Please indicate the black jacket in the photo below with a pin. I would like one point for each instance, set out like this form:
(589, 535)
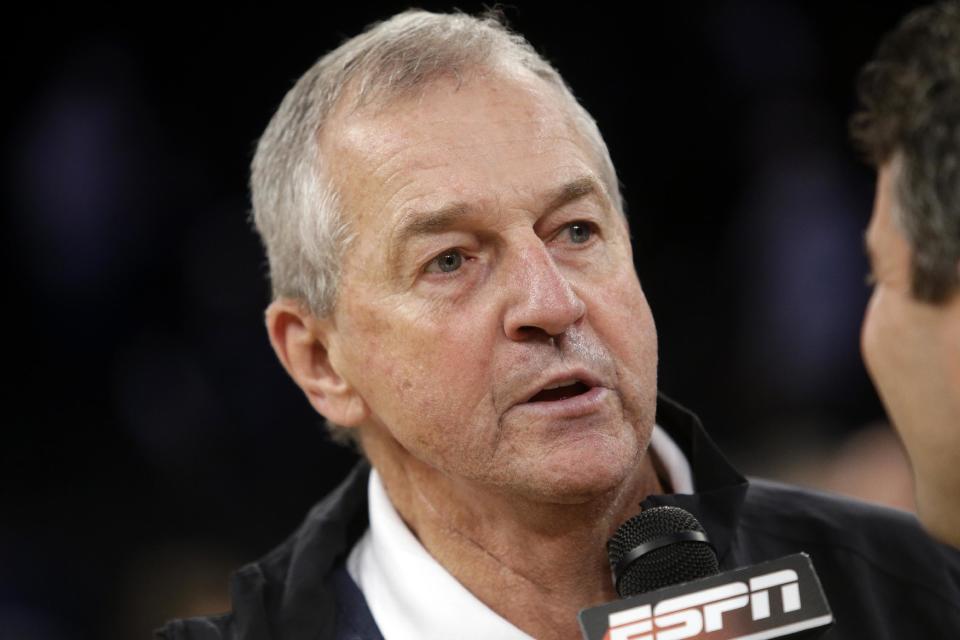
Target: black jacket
(883, 576)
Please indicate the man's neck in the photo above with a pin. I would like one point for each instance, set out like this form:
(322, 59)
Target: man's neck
(536, 563)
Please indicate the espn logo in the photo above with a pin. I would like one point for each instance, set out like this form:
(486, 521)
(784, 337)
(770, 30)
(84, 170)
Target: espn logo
(689, 615)
(773, 599)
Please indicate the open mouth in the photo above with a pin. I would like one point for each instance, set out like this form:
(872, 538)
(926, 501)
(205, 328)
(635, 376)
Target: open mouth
(561, 392)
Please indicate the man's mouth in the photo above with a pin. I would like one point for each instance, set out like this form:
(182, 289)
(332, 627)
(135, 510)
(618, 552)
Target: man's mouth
(560, 391)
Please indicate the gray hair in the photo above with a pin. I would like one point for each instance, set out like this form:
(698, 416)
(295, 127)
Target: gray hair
(296, 207)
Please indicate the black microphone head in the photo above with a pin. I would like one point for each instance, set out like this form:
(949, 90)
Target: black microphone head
(658, 548)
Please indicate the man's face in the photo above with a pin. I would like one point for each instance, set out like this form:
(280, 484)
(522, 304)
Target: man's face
(489, 264)
(909, 348)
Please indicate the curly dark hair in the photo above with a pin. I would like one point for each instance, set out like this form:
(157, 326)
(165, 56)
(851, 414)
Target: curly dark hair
(910, 96)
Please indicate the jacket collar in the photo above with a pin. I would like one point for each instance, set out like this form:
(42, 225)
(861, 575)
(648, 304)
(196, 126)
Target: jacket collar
(289, 593)
(719, 488)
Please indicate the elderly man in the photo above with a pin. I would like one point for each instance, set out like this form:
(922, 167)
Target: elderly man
(910, 127)
(455, 292)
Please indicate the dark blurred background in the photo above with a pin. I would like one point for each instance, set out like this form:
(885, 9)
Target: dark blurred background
(151, 441)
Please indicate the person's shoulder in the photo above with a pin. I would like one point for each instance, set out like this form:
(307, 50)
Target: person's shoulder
(199, 628)
(807, 516)
(813, 514)
(293, 584)
(856, 537)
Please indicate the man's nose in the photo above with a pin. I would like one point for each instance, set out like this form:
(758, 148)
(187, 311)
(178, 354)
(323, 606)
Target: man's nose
(542, 301)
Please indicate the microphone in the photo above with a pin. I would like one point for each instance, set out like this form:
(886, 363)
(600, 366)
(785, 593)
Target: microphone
(665, 568)
(658, 548)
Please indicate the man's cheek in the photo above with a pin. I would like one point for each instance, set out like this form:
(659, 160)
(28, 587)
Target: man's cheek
(431, 377)
(868, 333)
(626, 317)
(878, 337)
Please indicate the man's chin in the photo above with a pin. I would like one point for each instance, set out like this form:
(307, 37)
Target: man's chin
(576, 475)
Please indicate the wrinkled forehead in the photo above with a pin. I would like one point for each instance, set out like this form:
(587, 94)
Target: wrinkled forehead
(487, 136)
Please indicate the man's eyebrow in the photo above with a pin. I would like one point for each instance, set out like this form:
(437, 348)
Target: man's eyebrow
(579, 188)
(425, 223)
(428, 222)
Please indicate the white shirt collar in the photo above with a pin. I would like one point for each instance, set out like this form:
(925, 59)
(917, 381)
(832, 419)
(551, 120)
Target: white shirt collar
(675, 463)
(410, 594)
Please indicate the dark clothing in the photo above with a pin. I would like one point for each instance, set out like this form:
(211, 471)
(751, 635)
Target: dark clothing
(883, 576)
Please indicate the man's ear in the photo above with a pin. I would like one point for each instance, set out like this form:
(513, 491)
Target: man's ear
(301, 342)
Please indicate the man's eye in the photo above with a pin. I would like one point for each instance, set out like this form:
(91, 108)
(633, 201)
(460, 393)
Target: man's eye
(446, 262)
(580, 232)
